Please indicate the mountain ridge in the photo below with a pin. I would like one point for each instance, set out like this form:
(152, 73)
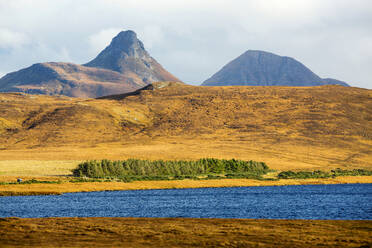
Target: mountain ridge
(61, 78)
(58, 78)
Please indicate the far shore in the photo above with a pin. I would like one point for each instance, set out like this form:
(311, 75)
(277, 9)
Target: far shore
(69, 187)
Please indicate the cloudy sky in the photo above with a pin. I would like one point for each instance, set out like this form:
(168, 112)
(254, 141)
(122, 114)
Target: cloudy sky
(193, 39)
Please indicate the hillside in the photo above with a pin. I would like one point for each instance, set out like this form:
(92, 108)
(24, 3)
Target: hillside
(124, 66)
(286, 127)
(259, 68)
(68, 79)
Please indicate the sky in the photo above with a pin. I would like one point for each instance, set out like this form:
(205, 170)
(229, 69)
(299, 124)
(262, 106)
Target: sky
(193, 39)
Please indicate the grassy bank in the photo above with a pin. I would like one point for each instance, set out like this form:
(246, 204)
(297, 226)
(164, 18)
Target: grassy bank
(69, 187)
(133, 174)
(179, 232)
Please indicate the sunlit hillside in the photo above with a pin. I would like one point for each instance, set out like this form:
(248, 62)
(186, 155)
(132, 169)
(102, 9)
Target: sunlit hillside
(286, 127)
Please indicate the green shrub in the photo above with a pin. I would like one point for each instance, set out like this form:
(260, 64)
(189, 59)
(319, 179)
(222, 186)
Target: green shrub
(355, 172)
(32, 181)
(135, 169)
(323, 174)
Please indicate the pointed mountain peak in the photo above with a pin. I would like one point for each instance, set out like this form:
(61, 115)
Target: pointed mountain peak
(123, 46)
(129, 34)
(126, 54)
(128, 43)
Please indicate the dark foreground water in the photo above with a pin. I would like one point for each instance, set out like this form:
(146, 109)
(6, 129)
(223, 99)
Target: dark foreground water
(347, 201)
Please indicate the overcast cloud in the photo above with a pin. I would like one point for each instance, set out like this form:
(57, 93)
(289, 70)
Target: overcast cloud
(193, 39)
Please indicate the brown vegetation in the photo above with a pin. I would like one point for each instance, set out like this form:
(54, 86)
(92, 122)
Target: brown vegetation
(161, 232)
(286, 127)
(69, 79)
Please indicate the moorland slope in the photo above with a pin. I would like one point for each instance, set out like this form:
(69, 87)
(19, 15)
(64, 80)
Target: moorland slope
(321, 127)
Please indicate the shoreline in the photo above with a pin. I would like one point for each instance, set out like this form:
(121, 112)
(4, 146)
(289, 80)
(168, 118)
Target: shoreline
(69, 187)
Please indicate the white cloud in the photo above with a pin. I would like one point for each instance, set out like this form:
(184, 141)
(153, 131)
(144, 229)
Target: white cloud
(151, 35)
(101, 39)
(12, 39)
(192, 38)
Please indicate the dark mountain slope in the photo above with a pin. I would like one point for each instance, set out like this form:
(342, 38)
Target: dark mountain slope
(67, 79)
(263, 68)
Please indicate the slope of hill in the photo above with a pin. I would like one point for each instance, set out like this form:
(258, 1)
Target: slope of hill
(286, 127)
(334, 81)
(67, 79)
(125, 66)
(263, 68)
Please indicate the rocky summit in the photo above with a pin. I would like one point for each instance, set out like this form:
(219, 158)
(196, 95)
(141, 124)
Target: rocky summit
(259, 68)
(127, 55)
(124, 66)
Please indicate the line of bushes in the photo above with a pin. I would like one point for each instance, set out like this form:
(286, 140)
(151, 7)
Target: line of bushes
(136, 169)
(323, 174)
(32, 181)
(355, 172)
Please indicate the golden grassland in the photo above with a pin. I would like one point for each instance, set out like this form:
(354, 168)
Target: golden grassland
(281, 157)
(69, 187)
(38, 168)
(180, 232)
(287, 127)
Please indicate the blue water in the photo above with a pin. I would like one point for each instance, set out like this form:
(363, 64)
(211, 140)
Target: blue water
(347, 201)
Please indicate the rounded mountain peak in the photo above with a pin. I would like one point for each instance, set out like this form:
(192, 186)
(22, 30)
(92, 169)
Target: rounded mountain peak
(253, 52)
(260, 68)
(259, 53)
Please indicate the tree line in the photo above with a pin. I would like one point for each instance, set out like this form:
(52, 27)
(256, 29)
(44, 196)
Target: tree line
(159, 169)
(323, 174)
